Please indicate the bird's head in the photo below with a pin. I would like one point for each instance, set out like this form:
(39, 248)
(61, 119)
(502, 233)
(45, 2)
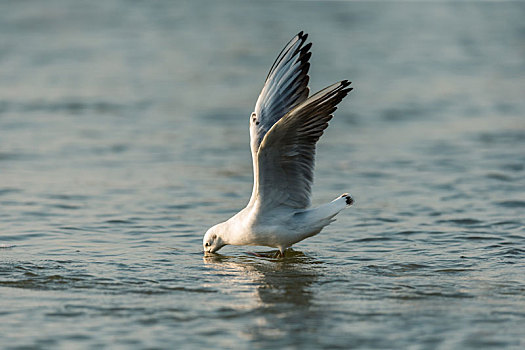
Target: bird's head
(214, 238)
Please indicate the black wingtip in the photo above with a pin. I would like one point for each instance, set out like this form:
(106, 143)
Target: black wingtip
(344, 86)
(307, 47)
(302, 36)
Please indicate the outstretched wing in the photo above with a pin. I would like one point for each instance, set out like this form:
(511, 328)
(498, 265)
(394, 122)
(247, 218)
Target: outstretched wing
(286, 85)
(286, 156)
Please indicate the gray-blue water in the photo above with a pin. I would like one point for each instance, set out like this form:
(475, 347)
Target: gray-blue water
(124, 136)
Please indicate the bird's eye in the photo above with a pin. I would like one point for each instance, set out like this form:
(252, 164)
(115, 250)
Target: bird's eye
(207, 244)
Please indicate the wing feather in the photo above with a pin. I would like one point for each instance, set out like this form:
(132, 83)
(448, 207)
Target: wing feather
(285, 160)
(286, 85)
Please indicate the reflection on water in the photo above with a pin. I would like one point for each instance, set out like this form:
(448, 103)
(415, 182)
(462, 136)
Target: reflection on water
(282, 281)
(283, 291)
(124, 136)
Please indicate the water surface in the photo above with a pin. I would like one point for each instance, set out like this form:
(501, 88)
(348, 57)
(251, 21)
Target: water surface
(124, 136)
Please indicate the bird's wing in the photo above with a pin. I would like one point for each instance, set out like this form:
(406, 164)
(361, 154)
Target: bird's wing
(285, 161)
(286, 85)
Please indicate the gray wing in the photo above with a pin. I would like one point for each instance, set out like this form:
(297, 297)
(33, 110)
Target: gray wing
(286, 85)
(286, 157)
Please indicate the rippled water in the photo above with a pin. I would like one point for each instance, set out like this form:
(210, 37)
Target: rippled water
(123, 137)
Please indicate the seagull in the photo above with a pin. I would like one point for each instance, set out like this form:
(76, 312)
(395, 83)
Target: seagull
(284, 129)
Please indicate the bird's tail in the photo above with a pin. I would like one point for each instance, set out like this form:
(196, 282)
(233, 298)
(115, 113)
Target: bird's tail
(324, 214)
(329, 210)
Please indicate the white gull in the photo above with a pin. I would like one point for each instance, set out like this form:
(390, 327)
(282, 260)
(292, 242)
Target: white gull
(284, 129)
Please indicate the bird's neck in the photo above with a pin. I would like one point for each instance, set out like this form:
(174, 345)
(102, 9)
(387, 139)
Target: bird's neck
(234, 231)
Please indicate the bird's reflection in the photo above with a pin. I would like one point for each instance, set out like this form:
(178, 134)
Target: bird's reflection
(280, 281)
(283, 292)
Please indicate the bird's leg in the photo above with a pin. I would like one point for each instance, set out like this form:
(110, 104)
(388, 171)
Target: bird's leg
(278, 254)
(256, 254)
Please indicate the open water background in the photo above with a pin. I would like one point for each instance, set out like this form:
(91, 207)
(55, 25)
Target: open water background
(124, 136)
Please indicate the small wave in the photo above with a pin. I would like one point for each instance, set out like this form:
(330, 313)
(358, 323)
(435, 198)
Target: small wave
(387, 219)
(462, 222)
(511, 204)
(16, 156)
(6, 191)
(71, 106)
(514, 252)
(513, 167)
(68, 197)
(408, 232)
(508, 223)
(511, 137)
(373, 239)
(40, 213)
(460, 295)
(481, 236)
(66, 206)
(499, 177)
(118, 221)
(453, 270)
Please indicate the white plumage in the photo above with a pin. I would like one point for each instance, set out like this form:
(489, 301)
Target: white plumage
(284, 129)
